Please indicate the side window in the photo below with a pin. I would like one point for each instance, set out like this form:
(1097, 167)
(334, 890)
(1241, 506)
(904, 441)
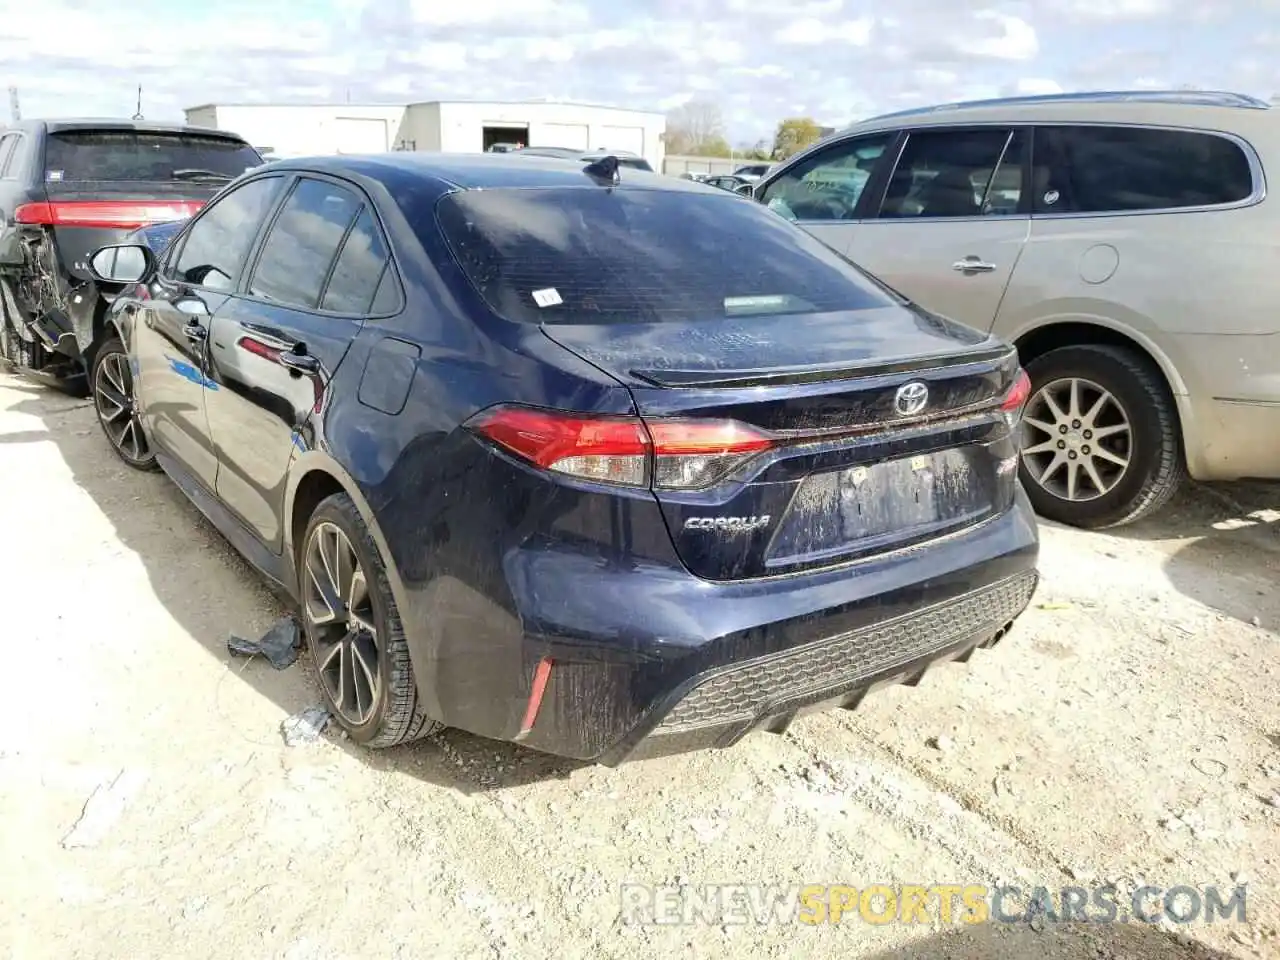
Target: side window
(828, 186)
(218, 242)
(8, 149)
(303, 242)
(1114, 169)
(358, 270)
(947, 173)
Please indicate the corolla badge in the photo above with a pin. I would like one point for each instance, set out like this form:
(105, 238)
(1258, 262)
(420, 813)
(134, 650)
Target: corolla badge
(911, 398)
(728, 524)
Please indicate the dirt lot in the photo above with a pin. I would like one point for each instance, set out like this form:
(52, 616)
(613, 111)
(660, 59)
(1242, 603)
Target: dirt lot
(1129, 731)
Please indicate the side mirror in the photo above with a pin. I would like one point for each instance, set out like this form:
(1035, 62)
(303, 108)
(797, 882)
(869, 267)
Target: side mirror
(122, 263)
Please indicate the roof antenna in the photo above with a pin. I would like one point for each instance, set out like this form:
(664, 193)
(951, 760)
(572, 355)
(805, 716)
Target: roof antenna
(138, 114)
(604, 171)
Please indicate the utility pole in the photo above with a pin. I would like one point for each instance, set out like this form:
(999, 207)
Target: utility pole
(138, 113)
(15, 111)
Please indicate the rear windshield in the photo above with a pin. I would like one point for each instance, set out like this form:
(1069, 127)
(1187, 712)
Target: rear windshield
(134, 155)
(592, 255)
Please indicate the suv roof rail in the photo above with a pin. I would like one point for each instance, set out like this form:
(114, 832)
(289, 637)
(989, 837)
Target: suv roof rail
(1210, 98)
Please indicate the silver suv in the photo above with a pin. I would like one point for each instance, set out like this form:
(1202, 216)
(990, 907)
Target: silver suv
(1123, 241)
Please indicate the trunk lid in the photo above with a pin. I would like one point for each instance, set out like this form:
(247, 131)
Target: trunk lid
(848, 474)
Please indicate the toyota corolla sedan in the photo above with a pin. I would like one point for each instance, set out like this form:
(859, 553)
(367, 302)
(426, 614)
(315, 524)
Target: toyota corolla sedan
(604, 462)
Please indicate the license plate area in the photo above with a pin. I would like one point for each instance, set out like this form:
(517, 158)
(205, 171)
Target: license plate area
(888, 504)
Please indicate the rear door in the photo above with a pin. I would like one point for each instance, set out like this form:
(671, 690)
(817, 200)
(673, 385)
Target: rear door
(276, 345)
(170, 332)
(952, 223)
(827, 192)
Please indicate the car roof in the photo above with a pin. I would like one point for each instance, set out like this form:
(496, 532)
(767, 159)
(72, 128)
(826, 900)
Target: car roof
(475, 171)
(69, 124)
(1099, 106)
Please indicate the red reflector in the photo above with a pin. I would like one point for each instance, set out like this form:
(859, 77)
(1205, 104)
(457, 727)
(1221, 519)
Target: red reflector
(107, 214)
(258, 348)
(1018, 394)
(541, 674)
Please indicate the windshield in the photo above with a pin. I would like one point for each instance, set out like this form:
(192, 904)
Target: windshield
(144, 156)
(592, 255)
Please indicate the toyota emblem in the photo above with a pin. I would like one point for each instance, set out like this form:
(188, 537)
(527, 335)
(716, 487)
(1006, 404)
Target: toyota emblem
(911, 398)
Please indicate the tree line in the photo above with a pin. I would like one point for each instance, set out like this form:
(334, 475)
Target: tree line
(697, 129)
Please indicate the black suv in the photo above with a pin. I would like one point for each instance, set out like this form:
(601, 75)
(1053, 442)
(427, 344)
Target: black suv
(68, 187)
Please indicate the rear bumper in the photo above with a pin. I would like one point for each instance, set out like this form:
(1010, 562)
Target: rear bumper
(702, 664)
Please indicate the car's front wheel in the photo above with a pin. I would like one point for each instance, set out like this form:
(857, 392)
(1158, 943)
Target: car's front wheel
(353, 630)
(1100, 442)
(113, 398)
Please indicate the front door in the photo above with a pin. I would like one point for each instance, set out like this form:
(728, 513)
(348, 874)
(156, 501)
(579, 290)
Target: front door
(952, 224)
(172, 325)
(274, 348)
(826, 193)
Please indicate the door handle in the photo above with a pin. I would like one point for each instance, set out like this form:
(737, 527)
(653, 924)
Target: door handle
(194, 331)
(303, 362)
(972, 264)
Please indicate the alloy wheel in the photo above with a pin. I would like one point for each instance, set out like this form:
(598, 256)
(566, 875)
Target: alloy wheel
(339, 611)
(113, 397)
(1077, 439)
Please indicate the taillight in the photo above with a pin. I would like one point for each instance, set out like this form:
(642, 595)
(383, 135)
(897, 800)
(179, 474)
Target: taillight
(1016, 398)
(109, 214)
(672, 454)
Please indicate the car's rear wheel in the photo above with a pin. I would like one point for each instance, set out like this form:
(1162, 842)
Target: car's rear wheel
(353, 630)
(113, 398)
(1100, 443)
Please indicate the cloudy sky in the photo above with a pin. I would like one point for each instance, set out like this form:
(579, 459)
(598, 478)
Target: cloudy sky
(836, 60)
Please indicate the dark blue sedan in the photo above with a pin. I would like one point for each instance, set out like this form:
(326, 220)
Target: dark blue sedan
(608, 463)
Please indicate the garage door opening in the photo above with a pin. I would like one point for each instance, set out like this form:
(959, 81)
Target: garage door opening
(498, 139)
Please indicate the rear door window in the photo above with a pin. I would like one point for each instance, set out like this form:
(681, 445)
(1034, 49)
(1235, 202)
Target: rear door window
(828, 185)
(8, 151)
(591, 255)
(947, 173)
(1100, 169)
(214, 249)
(359, 269)
(130, 155)
(303, 242)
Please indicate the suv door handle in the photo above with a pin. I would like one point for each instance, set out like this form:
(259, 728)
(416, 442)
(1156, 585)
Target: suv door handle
(299, 361)
(972, 264)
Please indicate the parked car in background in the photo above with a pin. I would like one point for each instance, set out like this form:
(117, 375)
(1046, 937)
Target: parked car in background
(625, 158)
(1123, 241)
(542, 456)
(752, 171)
(70, 186)
(727, 182)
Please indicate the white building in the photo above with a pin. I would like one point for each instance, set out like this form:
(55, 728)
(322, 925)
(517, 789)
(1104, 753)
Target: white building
(453, 126)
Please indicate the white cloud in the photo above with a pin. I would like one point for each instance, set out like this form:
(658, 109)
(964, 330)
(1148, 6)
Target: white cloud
(759, 60)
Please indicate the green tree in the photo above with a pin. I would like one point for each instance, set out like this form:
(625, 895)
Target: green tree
(794, 134)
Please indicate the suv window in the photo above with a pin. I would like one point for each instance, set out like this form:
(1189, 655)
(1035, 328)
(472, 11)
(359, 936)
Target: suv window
(218, 242)
(948, 173)
(302, 243)
(573, 255)
(143, 155)
(358, 271)
(8, 148)
(828, 185)
(1100, 169)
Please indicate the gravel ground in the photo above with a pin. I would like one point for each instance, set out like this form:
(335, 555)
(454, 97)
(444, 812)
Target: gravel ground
(1127, 731)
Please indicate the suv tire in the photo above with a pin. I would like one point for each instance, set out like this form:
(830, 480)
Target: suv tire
(1137, 394)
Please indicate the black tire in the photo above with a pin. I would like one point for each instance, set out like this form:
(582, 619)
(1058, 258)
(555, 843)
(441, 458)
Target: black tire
(397, 715)
(1156, 465)
(111, 369)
